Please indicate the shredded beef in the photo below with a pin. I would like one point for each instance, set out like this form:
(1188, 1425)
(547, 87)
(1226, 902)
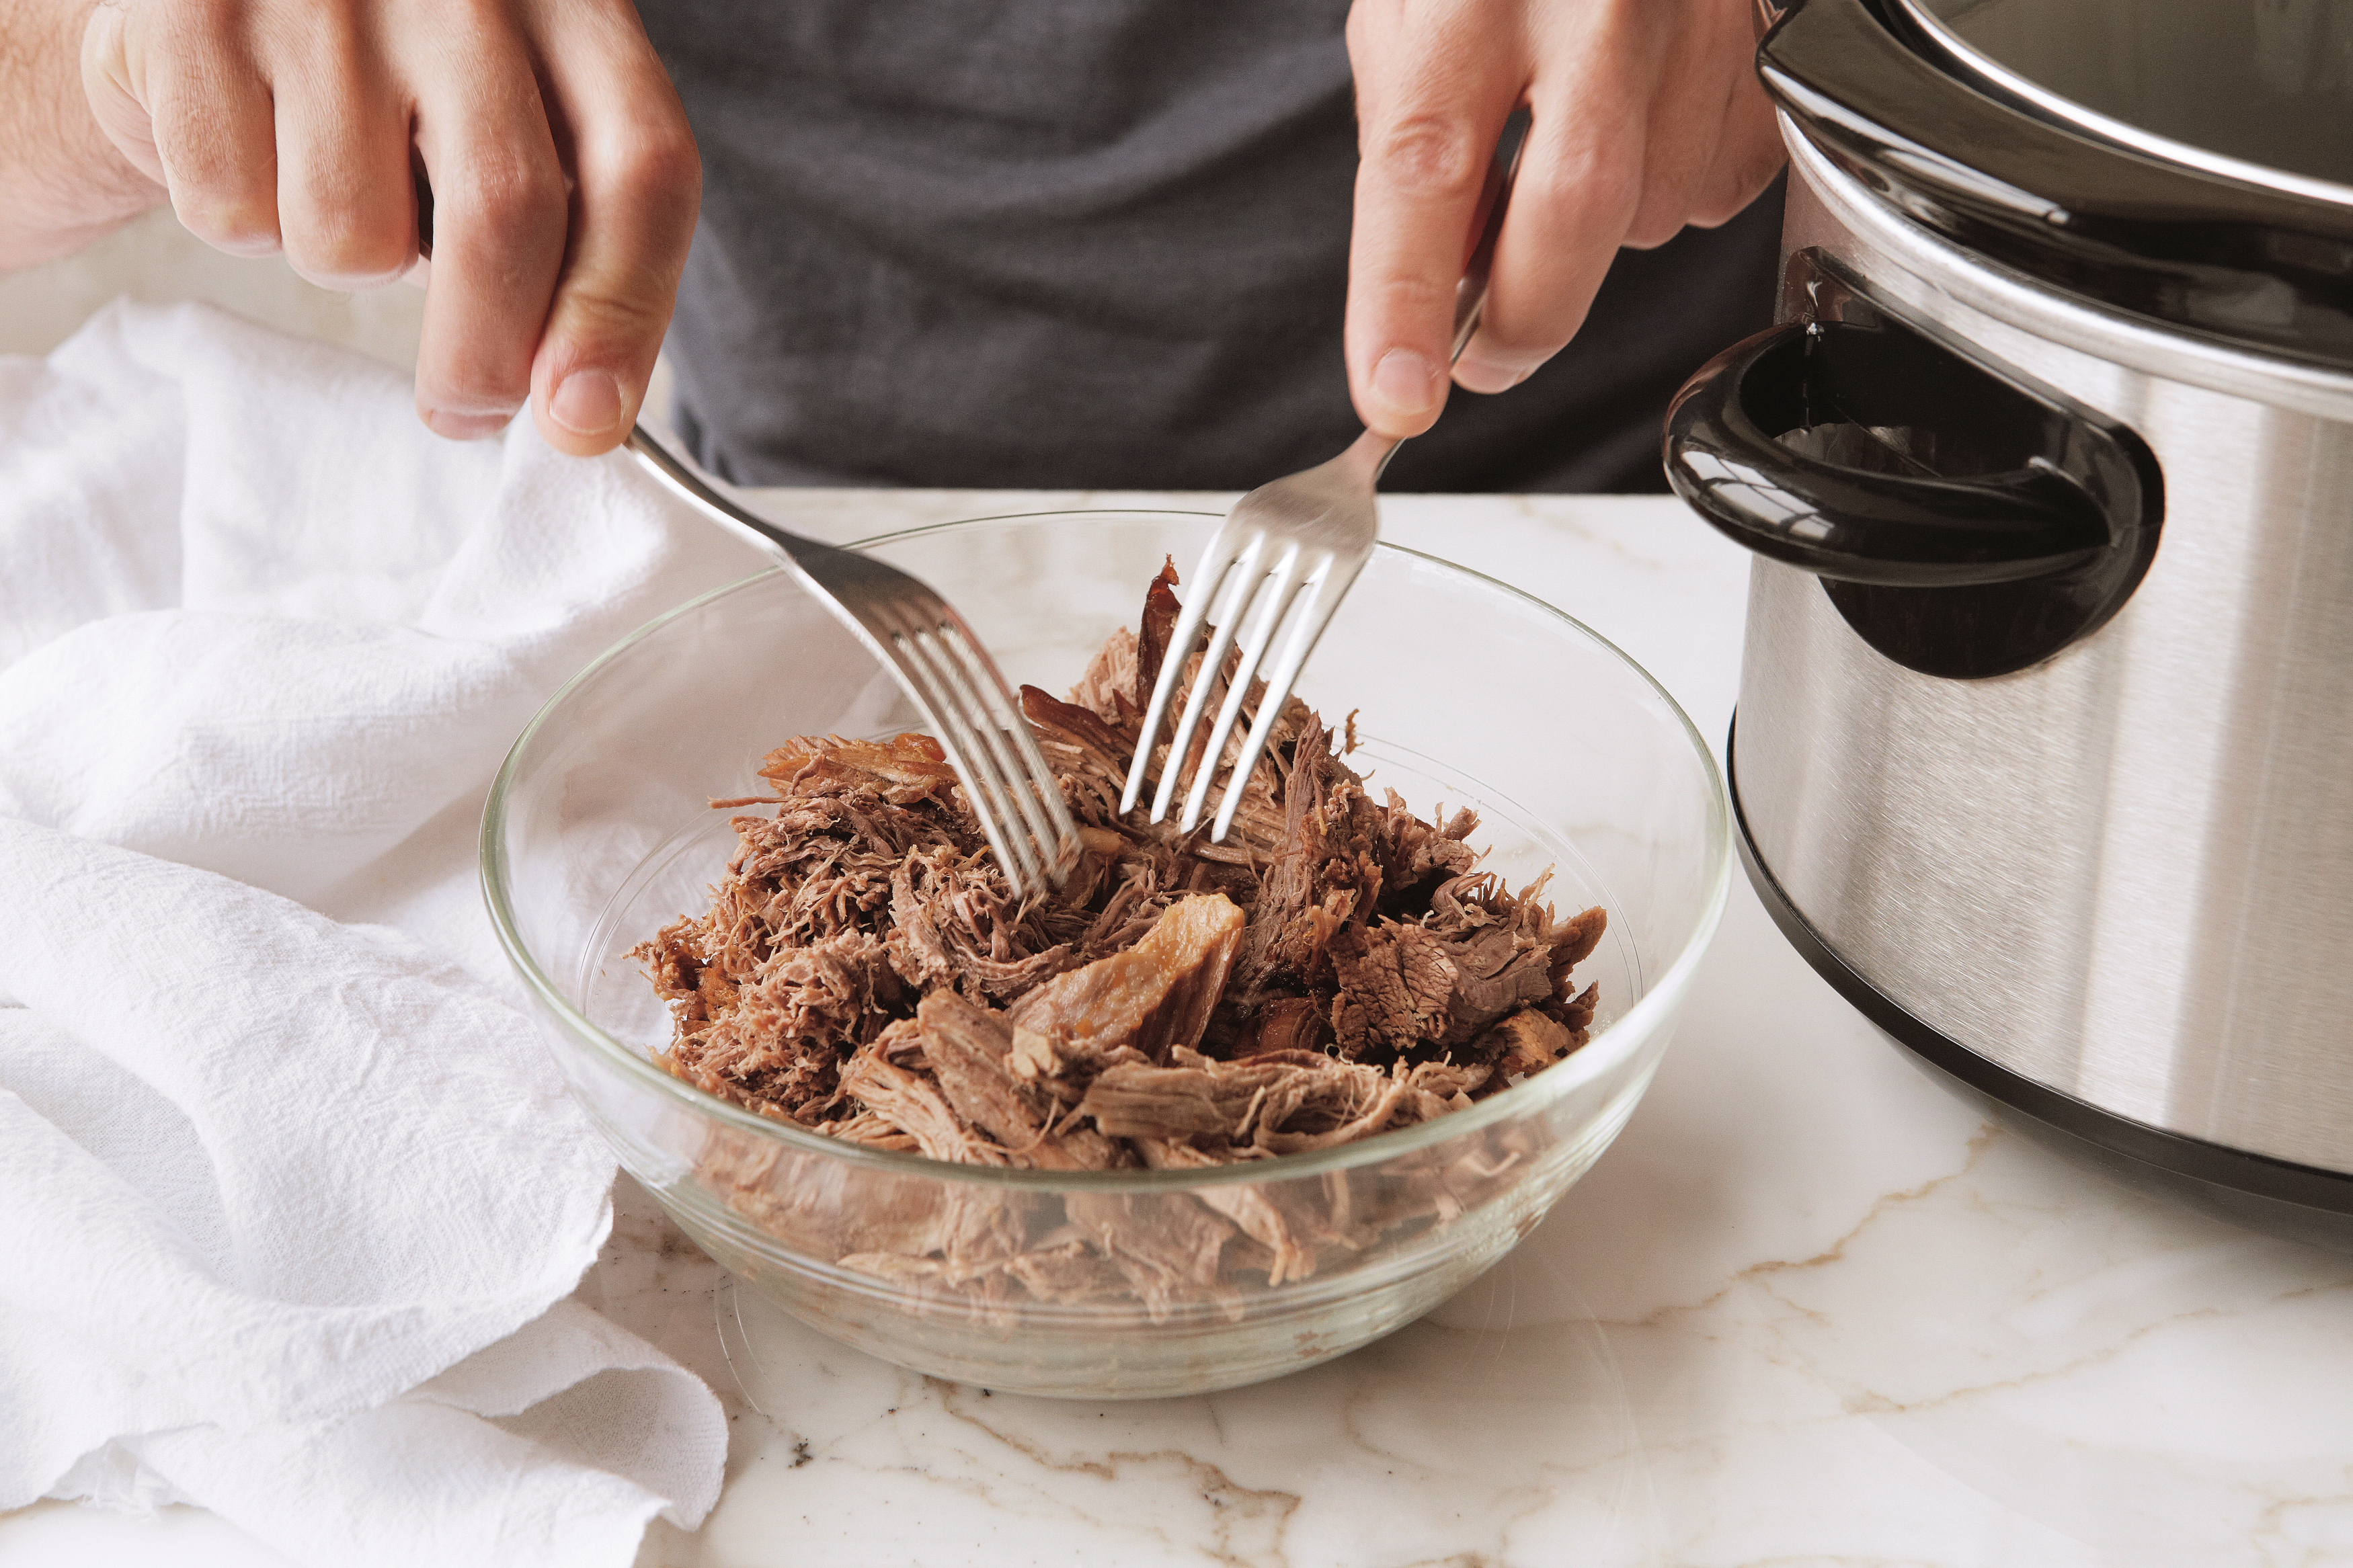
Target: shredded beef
(1337, 968)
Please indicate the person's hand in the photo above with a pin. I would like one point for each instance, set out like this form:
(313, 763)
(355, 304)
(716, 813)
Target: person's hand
(563, 178)
(1646, 116)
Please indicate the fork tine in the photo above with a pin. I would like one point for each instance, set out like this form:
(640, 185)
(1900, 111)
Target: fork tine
(1274, 597)
(1025, 854)
(1324, 592)
(904, 635)
(1208, 574)
(1226, 611)
(1018, 760)
(996, 798)
(1227, 604)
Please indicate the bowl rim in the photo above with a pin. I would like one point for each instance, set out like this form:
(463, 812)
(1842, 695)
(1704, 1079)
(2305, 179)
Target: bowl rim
(1605, 1052)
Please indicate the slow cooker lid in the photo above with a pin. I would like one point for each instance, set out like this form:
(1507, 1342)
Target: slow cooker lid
(2258, 91)
(2168, 160)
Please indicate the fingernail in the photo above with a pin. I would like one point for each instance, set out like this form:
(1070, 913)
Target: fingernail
(1406, 382)
(1476, 373)
(466, 426)
(587, 402)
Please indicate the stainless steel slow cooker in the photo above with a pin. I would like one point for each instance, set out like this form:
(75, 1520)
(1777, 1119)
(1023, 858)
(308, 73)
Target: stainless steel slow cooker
(2044, 746)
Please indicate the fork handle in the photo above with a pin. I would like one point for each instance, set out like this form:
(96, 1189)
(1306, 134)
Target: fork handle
(1471, 294)
(684, 481)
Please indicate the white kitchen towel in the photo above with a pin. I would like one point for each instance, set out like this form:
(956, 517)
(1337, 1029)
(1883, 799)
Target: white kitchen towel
(291, 1203)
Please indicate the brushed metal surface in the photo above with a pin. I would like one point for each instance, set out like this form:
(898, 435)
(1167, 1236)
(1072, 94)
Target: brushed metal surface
(2125, 872)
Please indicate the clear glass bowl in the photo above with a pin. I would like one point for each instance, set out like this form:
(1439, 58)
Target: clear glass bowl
(1467, 691)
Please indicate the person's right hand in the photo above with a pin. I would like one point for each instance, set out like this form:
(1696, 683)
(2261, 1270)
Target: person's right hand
(1645, 115)
(563, 178)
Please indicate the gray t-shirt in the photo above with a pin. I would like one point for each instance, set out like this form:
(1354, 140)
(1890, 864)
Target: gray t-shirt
(1075, 244)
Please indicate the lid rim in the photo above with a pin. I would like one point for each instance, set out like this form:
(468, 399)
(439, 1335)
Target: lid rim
(1981, 70)
(1933, 267)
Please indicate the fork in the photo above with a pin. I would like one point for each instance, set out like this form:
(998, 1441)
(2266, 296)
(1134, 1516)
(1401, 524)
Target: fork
(1308, 534)
(940, 665)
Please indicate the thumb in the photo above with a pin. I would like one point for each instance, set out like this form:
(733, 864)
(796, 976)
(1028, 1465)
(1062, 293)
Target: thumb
(108, 81)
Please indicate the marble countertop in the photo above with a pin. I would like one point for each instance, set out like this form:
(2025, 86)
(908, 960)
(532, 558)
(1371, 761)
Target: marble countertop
(1809, 1308)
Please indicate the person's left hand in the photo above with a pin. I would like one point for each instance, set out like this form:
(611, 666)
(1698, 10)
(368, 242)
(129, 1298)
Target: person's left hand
(1646, 116)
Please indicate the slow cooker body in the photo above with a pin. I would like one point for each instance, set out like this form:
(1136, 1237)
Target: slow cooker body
(2044, 747)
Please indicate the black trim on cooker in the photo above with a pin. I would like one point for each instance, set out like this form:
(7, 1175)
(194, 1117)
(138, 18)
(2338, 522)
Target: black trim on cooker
(1965, 520)
(1866, 511)
(2235, 262)
(2303, 1201)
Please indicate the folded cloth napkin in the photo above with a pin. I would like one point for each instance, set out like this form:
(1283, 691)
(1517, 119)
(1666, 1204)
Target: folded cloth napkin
(294, 1203)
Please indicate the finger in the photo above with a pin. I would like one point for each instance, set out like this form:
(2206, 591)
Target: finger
(1452, 78)
(1693, 113)
(346, 206)
(1685, 121)
(184, 103)
(1371, 31)
(106, 82)
(1579, 185)
(639, 183)
(1748, 154)
(499, 226)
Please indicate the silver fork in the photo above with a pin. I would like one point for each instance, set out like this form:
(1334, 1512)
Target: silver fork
(1309, 533)
(941, 667)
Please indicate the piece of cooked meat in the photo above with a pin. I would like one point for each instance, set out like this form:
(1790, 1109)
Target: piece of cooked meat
(1148, 998)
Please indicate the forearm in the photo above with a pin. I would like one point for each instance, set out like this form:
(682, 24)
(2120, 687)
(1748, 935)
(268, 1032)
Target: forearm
(62, 183)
